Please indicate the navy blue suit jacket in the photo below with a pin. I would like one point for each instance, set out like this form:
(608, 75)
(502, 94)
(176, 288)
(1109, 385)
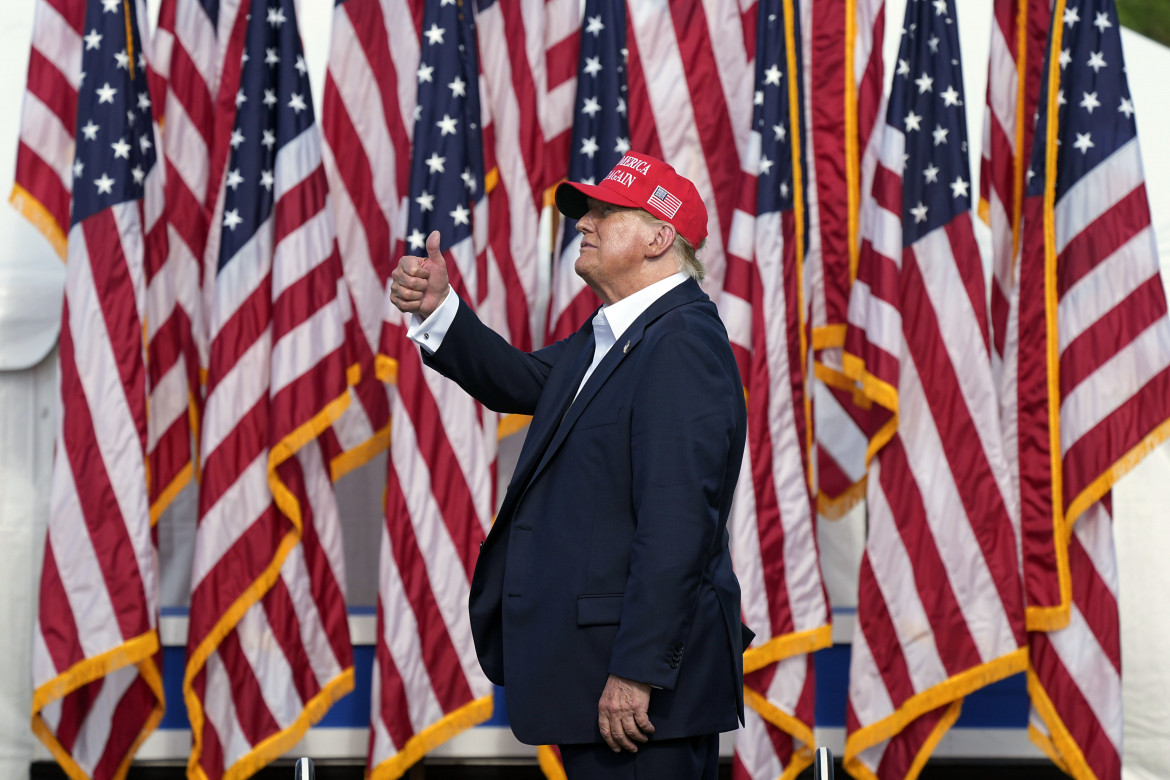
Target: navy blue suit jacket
(610, 551)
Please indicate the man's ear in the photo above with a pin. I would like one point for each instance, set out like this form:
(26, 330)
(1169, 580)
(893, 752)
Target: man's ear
(662, 241)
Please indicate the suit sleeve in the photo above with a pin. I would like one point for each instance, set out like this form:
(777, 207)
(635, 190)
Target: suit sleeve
(682, 430)
(501, 377)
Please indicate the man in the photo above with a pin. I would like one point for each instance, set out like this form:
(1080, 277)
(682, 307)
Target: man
(603, 599)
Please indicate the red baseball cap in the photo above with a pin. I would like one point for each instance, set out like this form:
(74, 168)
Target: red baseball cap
(642, 182)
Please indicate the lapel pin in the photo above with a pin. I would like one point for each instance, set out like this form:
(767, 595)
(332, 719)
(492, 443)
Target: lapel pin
(626, 348)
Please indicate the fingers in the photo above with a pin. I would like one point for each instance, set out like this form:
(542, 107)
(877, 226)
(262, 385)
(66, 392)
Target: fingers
(408, 284)
(622, 714)
(433, 253)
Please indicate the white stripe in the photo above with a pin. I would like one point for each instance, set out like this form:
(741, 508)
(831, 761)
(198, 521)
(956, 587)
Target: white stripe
(867, 693)
(186, 150)
(1003, 78)
(881, 321)
(219, 707)
(99, 720)
(244, 385)
(296, 161)
(197, 36)
(308, 246)
(230, 517)
(1091, 672)
(404, 51)
(41, 130)
(744, 542)
(244, 272)
(272, 670)
(1097, 192)
(1107, 285)
(60, 44)
(736, 72)
(837, 434)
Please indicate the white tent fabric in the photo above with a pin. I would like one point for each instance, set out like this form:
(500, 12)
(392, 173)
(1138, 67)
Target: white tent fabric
(31, 279)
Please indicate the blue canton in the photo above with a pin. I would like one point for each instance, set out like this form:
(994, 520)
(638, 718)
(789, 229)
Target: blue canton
(927, 105)
(601, 128)
(1095, 114)
(115, 135)
(446, 174)
(771, 117)
(273, 106)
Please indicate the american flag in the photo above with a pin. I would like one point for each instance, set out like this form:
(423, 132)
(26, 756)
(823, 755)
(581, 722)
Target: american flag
(940, 610)
(690, 77)
(268, 646)
(601, 135)
(96, 677)
(1092, 358)
(427, 683)
(772, 526)
(842, 70)
(1019, 36)
(528, 58)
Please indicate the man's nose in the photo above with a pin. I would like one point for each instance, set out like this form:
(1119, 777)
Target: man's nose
(586, 223)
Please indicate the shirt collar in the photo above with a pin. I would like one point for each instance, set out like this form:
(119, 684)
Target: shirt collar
(622, 314)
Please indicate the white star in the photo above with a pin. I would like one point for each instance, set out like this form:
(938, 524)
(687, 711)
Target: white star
(594, 25)
(622, 146)
(765, 165)
(781, 132)
(919, 212)
(138, 174)
(924, 83)
(940, 7)
(447, 125)
(1126, 107)
(237, 138)
(758, 98)
(417, 113)
(1071, 16)
(1084, 142)
(425, 201)
(951, 97)
(271, 57)
(903, 68)
(435, 162)
(589, 146)
(1060, 101)
(933, 42)
(468, 179)
(110, 6)
(93, 40)
(269, 98)
(1102, 22)
(104, 185)
(1065, 58)
(234, 179)
(424, 73)
(435, 34)
(144, 143)
(78, 167)
(1096, 61)
(231, 219)
(1089, 102)
(244, 56)
(130, 117)
(301, 67)
(591, 107)
(297, 103)
(417, 240)
(143, 101)
(90, 131)
(913, 121)
(931, 173)
(268, 139)
(940, 134)
(959, 188)
(461, 215)
(266, 180)
(1031, 174)
(772, 76)
(783, 189)
(106, 93)
(621, 106)
(121, 149)
(123, 60)
(458, 87)
(276, 17)
(241, 98)
(592, 65)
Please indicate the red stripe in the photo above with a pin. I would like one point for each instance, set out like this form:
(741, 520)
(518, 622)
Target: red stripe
(1109, 335)
(328, 595)
(438, 652)
(305, 200)
(561, 61)
(887, 190)
(516, 309)
(247, 324)
(1000, 169)
(905, 746)
(50, 86)
(186, 214)
(831, 478)
(189, 89)
(1095, 600)
(948, 625)
(75, 709)
(286, 624)
(303, 398)
(225, 104)
(969, 264)
(1102, 237)
(869, 90)
(255, 720)
(246, 441)
(391, 693)
(643, 131)
(1000, 311)
(574, 315)
(57, 626)
(43, 183)
(300, 301)
(877, 627)
(130, 715)
(530, 142)
(71, 11)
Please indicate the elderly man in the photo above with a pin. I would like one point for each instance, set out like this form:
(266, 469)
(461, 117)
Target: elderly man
(604, 599)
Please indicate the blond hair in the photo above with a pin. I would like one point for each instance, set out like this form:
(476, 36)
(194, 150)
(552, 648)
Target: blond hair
(686, 255)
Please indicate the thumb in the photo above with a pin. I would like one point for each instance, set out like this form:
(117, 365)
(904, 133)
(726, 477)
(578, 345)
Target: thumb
(433, 253)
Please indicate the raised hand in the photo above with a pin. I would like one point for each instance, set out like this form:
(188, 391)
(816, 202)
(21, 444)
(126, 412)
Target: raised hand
(419, 284)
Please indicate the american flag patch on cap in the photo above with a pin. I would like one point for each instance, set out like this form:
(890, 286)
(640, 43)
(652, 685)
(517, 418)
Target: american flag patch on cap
(664, 201)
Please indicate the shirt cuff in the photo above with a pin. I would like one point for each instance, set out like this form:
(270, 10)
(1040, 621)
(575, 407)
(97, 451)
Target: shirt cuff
(429, 333)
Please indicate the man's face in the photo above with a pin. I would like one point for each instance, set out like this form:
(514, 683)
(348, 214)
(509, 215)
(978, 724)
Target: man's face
(613, 244)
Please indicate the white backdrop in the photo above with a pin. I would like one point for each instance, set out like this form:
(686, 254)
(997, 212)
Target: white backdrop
(31, 278)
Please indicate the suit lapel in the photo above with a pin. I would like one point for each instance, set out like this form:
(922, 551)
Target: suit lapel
(686, 292)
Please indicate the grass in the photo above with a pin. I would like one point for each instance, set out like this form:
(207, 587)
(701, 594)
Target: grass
(1151, 18)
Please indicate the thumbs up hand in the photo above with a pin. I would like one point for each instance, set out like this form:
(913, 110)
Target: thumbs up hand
(419, 284)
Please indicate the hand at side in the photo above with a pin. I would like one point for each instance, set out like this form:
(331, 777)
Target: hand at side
(622, 714)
